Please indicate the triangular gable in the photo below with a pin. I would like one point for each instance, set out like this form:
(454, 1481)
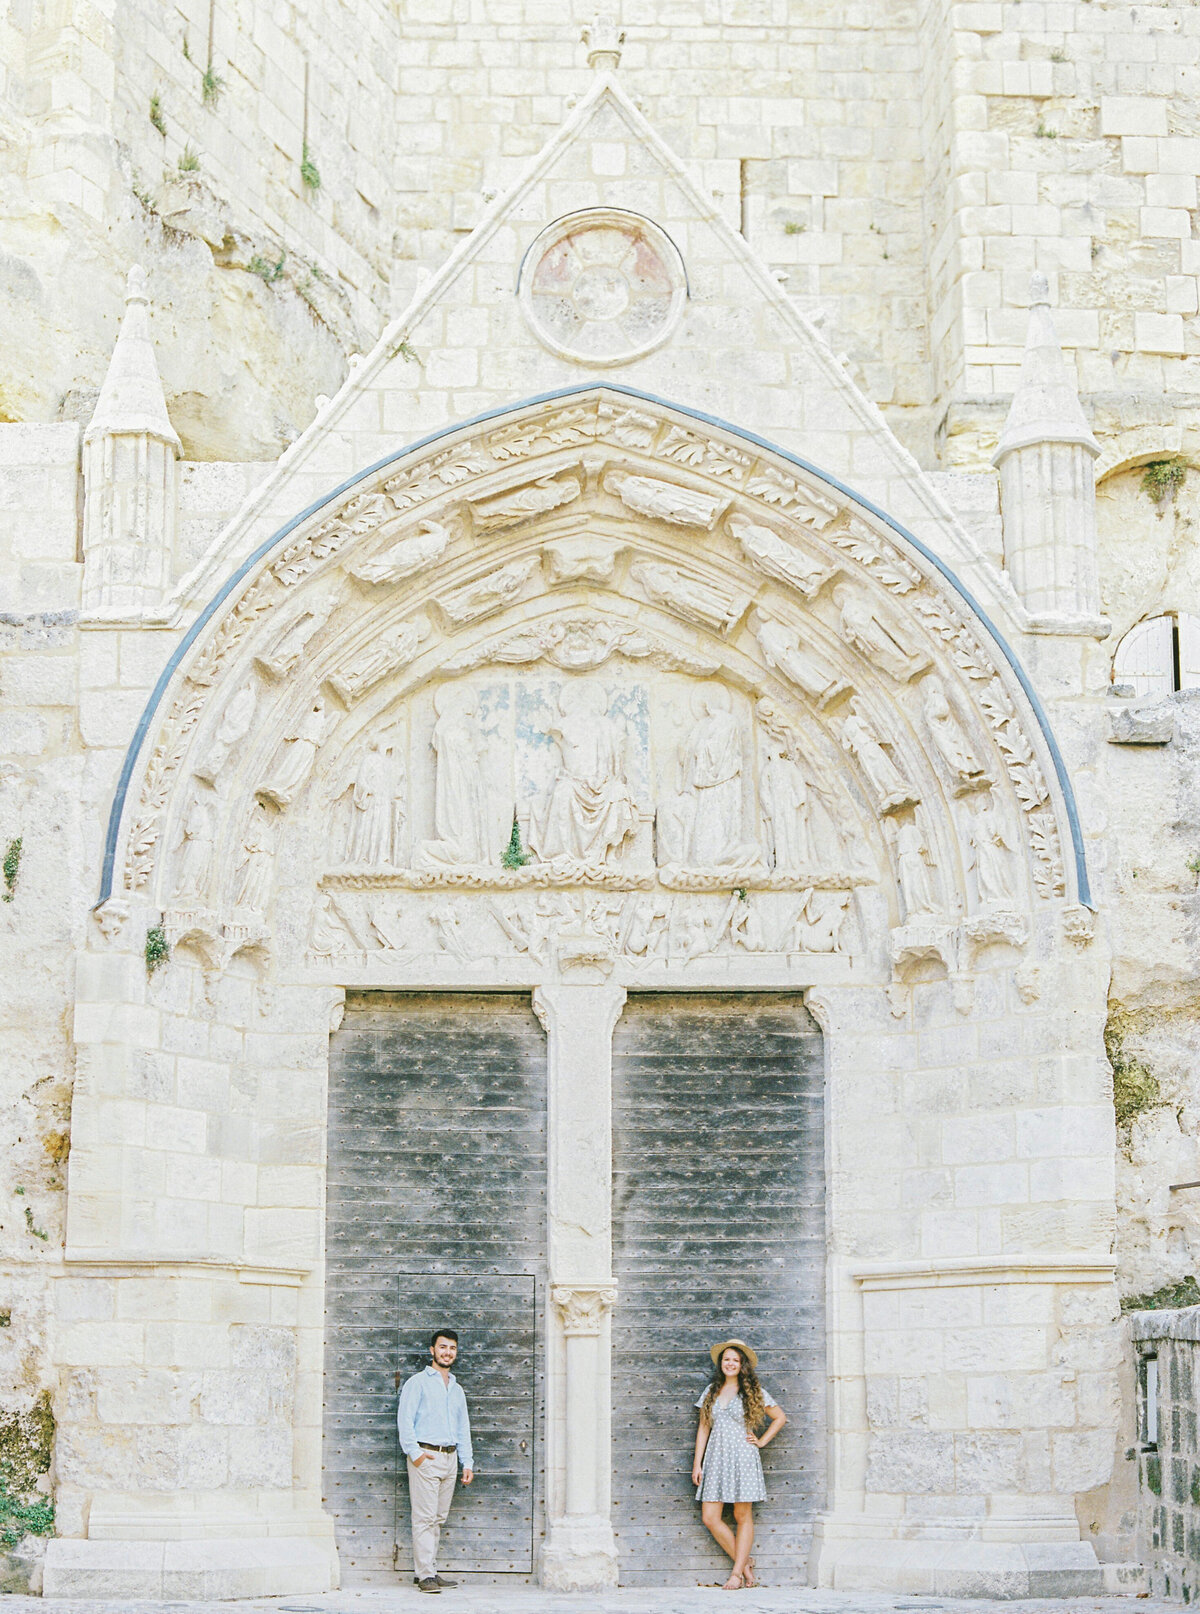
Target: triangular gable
(742, 352)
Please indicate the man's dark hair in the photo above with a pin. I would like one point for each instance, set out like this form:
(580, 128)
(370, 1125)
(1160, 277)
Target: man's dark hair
(442, 1333)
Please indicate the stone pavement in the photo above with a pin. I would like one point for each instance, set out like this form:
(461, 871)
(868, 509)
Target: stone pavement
(487, 1599)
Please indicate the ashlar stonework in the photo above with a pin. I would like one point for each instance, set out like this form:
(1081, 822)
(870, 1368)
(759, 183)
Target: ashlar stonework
(599, 636)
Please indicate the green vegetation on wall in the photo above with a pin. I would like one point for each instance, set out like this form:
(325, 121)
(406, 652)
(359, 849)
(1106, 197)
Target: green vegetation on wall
(26, 1447)
(1162, 479)
(11, 867)
(1135, 1086)
(1169, 1298)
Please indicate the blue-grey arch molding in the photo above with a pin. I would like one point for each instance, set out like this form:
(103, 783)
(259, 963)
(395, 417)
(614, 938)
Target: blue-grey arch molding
(1082, 886)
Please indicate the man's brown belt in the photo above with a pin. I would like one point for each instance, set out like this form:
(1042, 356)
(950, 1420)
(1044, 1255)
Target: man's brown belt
(425, 1446)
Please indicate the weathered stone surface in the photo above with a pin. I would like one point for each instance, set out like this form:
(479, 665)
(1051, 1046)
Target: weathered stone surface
(1142, 725)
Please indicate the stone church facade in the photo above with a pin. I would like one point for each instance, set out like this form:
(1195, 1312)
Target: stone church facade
(628, 826)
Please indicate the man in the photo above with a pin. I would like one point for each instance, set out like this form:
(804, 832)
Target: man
(435, 1433)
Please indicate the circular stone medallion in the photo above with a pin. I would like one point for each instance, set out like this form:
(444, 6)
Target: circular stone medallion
(602, 286)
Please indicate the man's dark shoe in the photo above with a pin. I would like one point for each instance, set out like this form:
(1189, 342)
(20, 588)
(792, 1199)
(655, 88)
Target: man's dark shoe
(429, 1584)
(442, 1581)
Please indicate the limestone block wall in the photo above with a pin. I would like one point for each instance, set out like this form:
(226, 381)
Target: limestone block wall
(806, 130)
(1066, 135)
(904, 167)
(42, 774)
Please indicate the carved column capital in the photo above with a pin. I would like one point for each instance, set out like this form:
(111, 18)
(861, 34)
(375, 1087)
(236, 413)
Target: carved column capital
(583, 1306)
(593, 1009)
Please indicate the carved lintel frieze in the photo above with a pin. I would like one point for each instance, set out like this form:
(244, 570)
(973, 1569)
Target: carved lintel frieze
(583, 1307)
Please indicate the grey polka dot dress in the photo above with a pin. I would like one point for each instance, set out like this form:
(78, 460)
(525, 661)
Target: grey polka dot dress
(732, 1470)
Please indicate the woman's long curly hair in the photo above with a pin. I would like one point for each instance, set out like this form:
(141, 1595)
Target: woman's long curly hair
(754, 1407)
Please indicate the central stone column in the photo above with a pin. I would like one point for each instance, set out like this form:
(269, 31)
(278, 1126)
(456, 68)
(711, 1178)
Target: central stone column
(580, 1553)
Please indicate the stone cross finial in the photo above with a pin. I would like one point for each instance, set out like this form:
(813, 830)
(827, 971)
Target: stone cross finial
(604, 40)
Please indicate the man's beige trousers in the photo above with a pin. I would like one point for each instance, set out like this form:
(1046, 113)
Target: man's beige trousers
(430, 1490)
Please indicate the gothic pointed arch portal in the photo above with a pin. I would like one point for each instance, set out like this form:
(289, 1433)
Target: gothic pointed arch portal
(592, 696)
(596, 667)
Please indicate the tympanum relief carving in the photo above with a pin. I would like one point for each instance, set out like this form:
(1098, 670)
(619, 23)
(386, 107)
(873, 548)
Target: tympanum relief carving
(718, 556)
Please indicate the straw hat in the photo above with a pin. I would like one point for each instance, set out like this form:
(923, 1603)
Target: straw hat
(739, 1345)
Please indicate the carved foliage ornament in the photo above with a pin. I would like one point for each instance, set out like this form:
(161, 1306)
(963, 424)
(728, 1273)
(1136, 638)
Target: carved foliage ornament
(769, 496)
(583, 1307)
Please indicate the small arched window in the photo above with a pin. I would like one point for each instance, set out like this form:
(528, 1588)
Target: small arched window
(1160, 655)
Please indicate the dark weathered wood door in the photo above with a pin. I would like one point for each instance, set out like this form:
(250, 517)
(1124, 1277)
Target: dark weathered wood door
(491, 1523)
(436, 1170)
(719, 1231)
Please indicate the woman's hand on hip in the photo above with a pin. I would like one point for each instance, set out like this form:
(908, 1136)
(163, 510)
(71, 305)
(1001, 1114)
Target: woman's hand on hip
(755, 1440)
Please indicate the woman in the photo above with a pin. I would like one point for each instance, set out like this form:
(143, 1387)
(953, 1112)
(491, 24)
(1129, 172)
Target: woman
(727, 1467)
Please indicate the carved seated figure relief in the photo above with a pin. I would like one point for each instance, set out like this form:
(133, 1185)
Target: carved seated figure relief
(590, 811)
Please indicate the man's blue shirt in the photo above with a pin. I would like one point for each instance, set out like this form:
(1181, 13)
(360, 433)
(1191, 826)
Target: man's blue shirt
(435, 1412)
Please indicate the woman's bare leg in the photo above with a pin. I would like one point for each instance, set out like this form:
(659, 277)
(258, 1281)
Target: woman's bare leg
(713, 1515)
(743, 1517)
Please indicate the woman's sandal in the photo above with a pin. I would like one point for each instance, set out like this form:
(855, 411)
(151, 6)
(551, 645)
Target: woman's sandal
(734, 1583)
(750, 1577)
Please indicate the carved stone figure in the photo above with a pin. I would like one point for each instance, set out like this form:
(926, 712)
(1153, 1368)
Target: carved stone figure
(783, 792)
(461, 807)
(395, 648)
(781, 650)
(234, 726)
(817, 927)
(914, 866)
(888, 785)
(711, 764)
(645, 923)
(506, 509)
(879, 643)
(329, 933)
(258, 844)
(295, 763)
(694, 601)
(376, 807)
(741, 924)
(404, 559)
(663, 501)
(497, 589)
(947, 734)
(531, 933)
(591, 809)
(446, 920)
(197, 833)
(690, 938)
(775, 556)
(289, 645)
(993, 847)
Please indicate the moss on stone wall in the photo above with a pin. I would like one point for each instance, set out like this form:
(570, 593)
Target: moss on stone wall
(1135, 1086)
(26, 1448)
(1170, 1297)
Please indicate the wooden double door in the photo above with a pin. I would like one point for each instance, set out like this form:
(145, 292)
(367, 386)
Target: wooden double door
(436, 1216)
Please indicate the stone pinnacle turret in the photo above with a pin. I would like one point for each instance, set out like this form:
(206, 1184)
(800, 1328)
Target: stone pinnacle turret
(1048, 497)
(129, 454)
